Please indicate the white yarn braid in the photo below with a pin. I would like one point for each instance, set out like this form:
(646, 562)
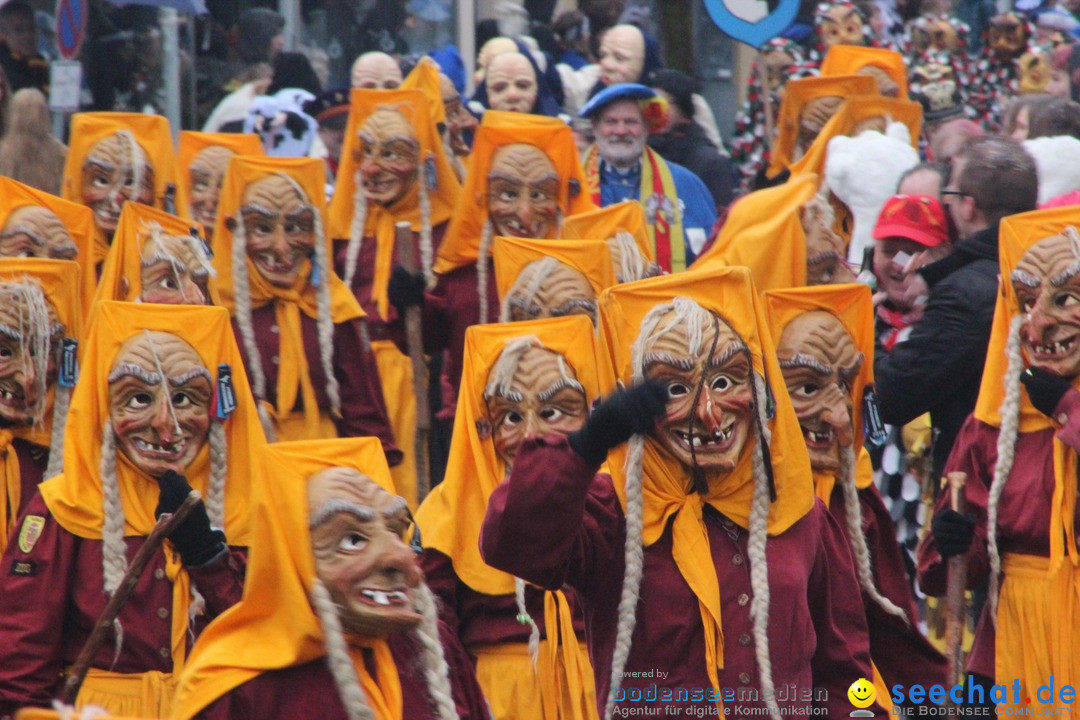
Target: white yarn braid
(756, 542)
(61, 402)
(856, 539)
(337, 656)
(219, 471)
(631, 264)
(433, 658)
(356, 231)
(486, 235)
(1006, 455)
(523, 613)
(113, 549)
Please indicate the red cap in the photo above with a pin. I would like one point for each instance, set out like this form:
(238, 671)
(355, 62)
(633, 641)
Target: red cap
(920, 218)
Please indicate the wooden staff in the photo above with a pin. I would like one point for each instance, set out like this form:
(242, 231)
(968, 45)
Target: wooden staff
(955, 607)
(414, 341)
(164, 527)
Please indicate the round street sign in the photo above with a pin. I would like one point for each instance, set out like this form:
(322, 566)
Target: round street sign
(71, 17)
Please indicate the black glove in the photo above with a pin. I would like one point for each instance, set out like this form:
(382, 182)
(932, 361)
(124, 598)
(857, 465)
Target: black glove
(1045, 389)
(193, 538)
(952, 532)
(405, 289)
(626, 412)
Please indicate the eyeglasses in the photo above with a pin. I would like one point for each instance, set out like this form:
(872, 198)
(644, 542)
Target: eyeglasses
(957, 193)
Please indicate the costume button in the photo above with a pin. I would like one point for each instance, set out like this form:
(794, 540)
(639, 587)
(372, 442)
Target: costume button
(737, 558)
(274, 329)
(1062, 418)
(163, 613)
(164, 652)
(743, 599)
(276, 360)
(744, 678)
(744, 639)
(159, 574)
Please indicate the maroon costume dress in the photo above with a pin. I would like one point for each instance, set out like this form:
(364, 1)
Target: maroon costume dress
(556, 521)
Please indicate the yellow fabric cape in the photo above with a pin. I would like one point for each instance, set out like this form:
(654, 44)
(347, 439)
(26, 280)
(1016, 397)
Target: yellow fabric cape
(274, 625)
(425, 78)
(730, 293)
(461, 244)
(650, 159)
(850, 114)
(192, 143)
(59, 282)
(764, 233)
(853, 306)
(1018, 233)
(77, 218)
(603, 223)
(589, 257)
(74, 498)
(797, 93)
(443, 189)
(293, 378)
(849, 59)
(121, 275)
(451, 516)
(152, 134)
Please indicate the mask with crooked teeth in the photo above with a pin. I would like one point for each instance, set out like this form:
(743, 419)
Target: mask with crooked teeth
(159, 402)
(710, 397)
(388, 156)
(523, 192)
(279, 223)
(207, 172)
(361, 557)
(1047, 285)
(820, 362)
(108, 180)
(25, 377)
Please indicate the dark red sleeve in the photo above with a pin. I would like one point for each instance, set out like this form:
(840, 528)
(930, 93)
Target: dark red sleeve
(443, 581)
(363, 408)
(900, 651)
(221, 581)
(1067, 414)
(974, 453)
(34, 591)
(553, 521)
(834, 599)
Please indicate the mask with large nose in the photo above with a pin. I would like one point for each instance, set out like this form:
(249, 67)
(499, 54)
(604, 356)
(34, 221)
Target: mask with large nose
(532, 391)
(1047, 286)
(279, 222)
(820, 362)
(388, 156)
(523, 190)
(173, 271)
(361, 555)
(30, 338)
(207, 173)
(116, 170)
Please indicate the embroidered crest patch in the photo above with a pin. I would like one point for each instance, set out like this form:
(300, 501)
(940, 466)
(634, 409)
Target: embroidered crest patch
(30, 532)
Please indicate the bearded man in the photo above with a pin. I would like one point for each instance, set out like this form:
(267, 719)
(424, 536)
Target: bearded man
(620, 166)
(144, 429)
(712, 482)
(521, 379)
(345, 625)
(824, 346)
(156, 257)
(40, 321)
(1018, 452)
(300, 326)
(203, 158)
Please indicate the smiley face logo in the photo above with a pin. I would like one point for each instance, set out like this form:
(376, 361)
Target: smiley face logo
(862, 693)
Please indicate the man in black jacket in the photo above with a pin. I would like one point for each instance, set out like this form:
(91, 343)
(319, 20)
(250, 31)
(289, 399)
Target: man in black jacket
(684, 142)
(938, 368)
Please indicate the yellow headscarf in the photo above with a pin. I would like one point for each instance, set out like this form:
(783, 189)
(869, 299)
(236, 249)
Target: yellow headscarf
(729, 293)
(451, 516)
(192, 143)
(853, 306)
(849, 59)
(764, 233)
(442, 188)
(851, 113)
(152, 134)
(425, 78)
(589, 257)
(603, 223)
(797, 93)
(1019, 233)
(274, 626)
(461, 245)
(121, 276)
(59, 282)
(75, 498)
(78, 219)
